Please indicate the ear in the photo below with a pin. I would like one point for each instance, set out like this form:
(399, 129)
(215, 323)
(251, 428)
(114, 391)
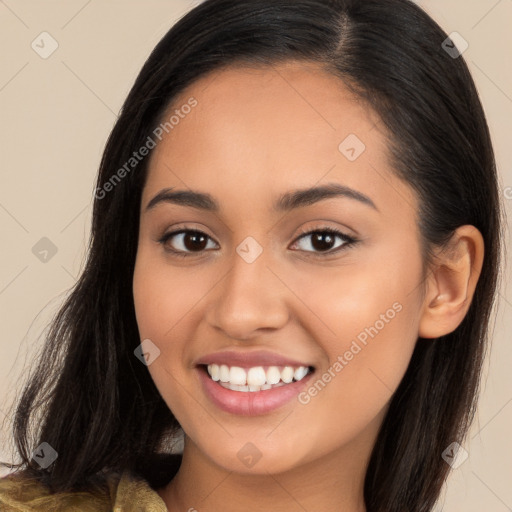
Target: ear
(451, 283)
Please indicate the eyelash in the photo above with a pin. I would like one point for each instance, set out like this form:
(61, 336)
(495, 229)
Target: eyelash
(349, 241)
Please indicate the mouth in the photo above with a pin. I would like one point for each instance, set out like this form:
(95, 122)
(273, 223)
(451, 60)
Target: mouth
(256, 378)
(252, 383)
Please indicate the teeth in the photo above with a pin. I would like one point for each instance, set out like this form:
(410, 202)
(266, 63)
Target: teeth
(213, 370)
(287, 374)
(299, 373)
(238, 376)
(224, 373)
(235, 387)
(256, 378)
(273, 375)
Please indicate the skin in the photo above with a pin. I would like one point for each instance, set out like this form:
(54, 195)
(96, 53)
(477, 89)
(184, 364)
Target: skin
(255, 134)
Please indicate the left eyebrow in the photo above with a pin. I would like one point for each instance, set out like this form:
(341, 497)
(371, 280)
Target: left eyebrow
(307, 196)
(286, 202)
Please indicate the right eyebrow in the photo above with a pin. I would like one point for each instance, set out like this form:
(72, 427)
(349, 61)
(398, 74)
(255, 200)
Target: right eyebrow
(190, 198)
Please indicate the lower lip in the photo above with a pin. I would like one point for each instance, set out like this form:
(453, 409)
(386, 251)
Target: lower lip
(250, 403)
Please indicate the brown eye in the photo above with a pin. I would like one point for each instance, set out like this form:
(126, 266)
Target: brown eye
(324, 240)
(186, 241)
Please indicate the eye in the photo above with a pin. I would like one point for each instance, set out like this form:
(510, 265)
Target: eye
(188, 241)
(323, 241)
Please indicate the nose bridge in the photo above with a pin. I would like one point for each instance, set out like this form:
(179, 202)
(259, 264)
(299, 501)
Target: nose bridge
(250, 297)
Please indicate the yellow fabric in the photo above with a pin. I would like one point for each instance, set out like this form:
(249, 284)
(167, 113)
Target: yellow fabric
(125, 493)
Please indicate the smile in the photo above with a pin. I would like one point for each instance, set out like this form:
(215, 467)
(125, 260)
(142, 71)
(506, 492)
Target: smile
(256, 378)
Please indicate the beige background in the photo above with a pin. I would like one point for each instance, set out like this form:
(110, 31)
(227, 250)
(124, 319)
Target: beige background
(56, 114)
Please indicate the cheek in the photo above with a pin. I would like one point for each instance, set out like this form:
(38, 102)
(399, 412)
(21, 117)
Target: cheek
(361, 300)
(164, 295)
(364, 371)
(370, 318)
(373, 307)
(157, 309)
(167, 304)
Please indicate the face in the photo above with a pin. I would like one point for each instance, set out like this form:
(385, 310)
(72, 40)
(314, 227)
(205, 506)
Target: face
(259, 283)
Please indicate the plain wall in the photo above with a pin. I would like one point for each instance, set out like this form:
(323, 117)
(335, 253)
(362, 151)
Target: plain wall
(56, 114)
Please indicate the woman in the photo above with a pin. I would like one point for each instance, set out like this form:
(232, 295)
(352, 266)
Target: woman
(294, 256)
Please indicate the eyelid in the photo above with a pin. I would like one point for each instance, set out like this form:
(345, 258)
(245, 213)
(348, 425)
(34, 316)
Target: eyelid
(180, 228)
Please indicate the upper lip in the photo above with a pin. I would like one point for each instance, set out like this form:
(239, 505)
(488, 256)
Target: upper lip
(249, 359)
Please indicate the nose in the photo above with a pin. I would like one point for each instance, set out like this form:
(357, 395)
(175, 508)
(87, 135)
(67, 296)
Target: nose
(249, 300)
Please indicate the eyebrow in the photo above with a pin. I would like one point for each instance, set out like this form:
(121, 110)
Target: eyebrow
(286, 202)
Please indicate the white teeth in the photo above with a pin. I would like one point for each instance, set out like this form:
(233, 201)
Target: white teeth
(238, 376)
(235, 387)
(300, 373)
(273, 375)
(213, 370)
(256, 378)
(224, 373)
(287, 374)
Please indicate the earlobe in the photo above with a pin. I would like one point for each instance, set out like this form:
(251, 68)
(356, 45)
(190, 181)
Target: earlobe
(451, 283)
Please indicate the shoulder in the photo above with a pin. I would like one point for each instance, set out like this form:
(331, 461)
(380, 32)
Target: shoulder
(19, 493)
(22, 493)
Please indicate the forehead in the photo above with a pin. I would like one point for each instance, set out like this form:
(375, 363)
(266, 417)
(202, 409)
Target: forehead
(292, 102)
(257, 129)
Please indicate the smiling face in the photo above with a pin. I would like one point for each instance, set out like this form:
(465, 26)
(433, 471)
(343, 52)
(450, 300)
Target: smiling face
(260, 275)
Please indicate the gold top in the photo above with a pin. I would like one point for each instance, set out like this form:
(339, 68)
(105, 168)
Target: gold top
(125, 493)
